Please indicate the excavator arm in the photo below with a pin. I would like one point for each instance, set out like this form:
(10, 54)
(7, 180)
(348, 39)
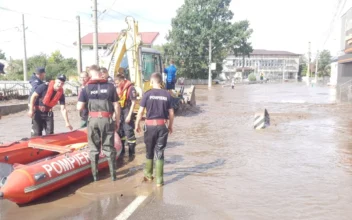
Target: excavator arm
(128, 43)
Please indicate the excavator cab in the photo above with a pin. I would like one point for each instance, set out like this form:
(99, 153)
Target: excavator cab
(151, 63)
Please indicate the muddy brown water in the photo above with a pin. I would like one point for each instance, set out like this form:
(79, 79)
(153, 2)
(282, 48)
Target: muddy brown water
(218, 166)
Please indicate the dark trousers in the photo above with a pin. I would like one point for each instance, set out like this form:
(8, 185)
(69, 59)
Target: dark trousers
(84, 123)
(126, 131)
(155, 139)
(42, 121)
(101, 133)
(170, 85)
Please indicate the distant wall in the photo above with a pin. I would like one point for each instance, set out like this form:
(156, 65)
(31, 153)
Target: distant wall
(11, 109)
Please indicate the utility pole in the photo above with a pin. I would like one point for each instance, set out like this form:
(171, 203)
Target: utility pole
(95, 34)
(79, 58)
(24, 50)
(316, 68)
(308, 65)
(209, 80)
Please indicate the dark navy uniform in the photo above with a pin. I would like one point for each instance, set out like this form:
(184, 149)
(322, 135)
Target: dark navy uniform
(35, 81)
(157, 103)
(126, 131)
(84, 113)
(43, 115)
(100, 97)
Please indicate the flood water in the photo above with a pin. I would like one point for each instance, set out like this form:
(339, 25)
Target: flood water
(218, 166)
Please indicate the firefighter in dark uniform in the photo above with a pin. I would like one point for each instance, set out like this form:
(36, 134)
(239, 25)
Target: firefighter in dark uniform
(105, 75)
(36, 80)
(102, 104)
(42, 101)
(158, 124)
(127, 99)
(84, 78)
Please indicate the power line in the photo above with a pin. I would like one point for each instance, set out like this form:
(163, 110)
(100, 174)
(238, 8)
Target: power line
(106, 10)
(41, 16)
(337, 12)
(63, 44)
(118, 12)
(9, 29)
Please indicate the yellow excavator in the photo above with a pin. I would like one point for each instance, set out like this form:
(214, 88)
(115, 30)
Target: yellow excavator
(139, 63)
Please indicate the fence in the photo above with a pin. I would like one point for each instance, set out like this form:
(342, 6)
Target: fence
(188, 82)
(21, 89)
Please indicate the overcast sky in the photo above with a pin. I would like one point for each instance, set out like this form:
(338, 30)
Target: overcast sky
(277, 24)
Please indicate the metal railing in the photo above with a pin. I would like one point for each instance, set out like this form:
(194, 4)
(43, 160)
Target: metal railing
(194, 82)
(13, 89)
(345, 88)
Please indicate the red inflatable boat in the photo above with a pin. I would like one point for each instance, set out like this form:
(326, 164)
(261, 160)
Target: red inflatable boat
(29, 182)
(21, 152)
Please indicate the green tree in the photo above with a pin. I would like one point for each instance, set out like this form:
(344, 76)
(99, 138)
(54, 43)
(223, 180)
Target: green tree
(56, 57)
(197, 22)
(36, 61)
(14, 71)
(2, 55)
(302, 71)
(324, 63)
(241, 46)
(57, 64)
(54, 65)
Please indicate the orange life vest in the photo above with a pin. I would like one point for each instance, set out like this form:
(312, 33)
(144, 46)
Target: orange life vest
(124, 92)
(47, 101)
(95, 81)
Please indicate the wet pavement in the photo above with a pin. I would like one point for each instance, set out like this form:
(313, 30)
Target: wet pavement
(219, 167)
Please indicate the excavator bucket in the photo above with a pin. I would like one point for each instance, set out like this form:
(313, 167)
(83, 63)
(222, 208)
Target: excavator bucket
(189, 95)
(183, 99)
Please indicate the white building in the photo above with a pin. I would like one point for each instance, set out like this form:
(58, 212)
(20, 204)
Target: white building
(273, 64)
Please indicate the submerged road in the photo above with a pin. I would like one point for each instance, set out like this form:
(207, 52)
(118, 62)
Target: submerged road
(219, 167)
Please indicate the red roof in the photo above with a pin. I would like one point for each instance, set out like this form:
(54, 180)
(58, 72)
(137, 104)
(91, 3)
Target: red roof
(108, 38)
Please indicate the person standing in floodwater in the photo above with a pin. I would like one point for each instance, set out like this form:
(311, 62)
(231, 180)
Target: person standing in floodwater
(158, 125)
(41, 105)
(232, 83)
(102, 101)
(127, 99)
(84, 78)
(170, 76)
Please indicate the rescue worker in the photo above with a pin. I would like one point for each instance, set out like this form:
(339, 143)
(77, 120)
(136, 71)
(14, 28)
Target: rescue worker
(36, 80)
(84, 78)
(127, 99)
(105, 75)
(102, 101)
(43, 99)
(158, 124)
(170, 76)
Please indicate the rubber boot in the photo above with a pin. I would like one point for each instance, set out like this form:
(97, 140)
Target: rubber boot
(159, 172)
(112, 168)
(122, 147)
(131, 149)
(94, 166)
(148, 170)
